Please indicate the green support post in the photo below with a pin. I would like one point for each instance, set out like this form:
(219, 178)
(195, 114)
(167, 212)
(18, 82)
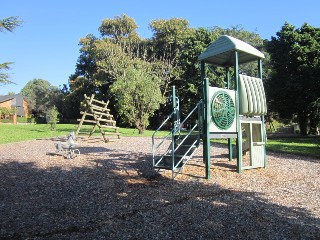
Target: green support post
(174, 123)
(263, 130)
(229, 86)
(206, 139)
(206, 120)
(239, 131)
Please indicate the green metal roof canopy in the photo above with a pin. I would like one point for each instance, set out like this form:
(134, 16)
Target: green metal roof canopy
(221, 52)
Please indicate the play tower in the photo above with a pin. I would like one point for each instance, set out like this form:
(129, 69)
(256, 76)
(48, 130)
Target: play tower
(239, 107)
(235, 111)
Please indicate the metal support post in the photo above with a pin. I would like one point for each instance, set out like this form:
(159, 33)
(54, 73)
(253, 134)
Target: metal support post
(239, 129)
(206, 138)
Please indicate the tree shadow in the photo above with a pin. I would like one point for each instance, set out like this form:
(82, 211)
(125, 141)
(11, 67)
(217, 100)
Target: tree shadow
(122, 197)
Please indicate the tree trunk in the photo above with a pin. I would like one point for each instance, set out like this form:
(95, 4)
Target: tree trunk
(141, 130)
(313, 130)
(303, 123)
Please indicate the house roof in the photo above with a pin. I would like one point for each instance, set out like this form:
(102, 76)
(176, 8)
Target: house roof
(221, 52)
(17, 101)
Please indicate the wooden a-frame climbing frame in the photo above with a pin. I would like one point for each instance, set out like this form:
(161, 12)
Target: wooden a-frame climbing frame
(97, 113)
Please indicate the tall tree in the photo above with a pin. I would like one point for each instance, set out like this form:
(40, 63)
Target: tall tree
(295, 82)
(138, 95)
(41, 95)
(171, 55)
(7, 24)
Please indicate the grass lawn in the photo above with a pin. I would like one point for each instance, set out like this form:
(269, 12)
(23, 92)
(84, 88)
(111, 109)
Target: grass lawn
(301, 146)
(17, 133)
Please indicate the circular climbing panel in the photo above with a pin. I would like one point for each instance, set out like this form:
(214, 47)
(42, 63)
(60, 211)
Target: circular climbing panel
(222, 110)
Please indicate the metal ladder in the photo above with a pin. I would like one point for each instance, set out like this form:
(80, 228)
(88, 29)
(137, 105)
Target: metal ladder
(182, 142)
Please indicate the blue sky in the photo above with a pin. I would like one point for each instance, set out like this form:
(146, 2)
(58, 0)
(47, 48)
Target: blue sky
(46, 46)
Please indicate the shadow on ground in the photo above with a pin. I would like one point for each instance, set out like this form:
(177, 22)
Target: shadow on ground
(123, 198)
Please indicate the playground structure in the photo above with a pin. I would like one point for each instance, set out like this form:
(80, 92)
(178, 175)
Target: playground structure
(235, 111)
(98, 115)
(68, 149)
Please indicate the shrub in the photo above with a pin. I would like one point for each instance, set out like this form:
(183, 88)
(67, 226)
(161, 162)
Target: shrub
(52, 118)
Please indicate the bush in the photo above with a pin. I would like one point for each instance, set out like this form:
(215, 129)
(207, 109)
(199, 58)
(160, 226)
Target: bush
(52, 118)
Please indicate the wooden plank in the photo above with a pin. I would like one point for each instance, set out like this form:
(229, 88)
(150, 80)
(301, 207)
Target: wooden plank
(106, 120)
(101, 102)
(106, 126)
(98, 113)
(101, 109)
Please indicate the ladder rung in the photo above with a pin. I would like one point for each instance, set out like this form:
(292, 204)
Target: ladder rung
(107, 126)
(87, 120)
(106, 120)
(99, 108)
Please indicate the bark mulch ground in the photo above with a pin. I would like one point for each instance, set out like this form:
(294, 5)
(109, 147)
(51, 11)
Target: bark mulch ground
(111, 192)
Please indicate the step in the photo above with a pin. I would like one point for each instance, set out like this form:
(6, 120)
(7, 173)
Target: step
(166, 162)
(188, 141)
(183, 149)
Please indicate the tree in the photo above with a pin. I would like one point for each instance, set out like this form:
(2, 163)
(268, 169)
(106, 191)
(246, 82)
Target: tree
(314, 117)
(7, 24)
(171, 55)
(295, 82)
(41, 95)
(119, 29)
(138, 96)
(52, 117)
(169, 38)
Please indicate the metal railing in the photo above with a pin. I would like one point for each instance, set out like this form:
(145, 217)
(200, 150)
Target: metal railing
(178, 140)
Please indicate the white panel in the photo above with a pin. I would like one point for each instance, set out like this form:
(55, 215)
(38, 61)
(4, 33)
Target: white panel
(213, 127)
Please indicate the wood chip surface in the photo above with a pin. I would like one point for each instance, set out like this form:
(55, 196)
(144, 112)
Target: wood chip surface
(112, 192)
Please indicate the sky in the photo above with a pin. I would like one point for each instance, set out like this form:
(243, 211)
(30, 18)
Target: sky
(46, 45)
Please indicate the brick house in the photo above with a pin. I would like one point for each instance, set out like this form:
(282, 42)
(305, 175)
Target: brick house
(15, 101)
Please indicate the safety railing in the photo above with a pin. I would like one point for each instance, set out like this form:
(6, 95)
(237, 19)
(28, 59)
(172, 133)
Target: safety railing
(179, 136)
(155, 146)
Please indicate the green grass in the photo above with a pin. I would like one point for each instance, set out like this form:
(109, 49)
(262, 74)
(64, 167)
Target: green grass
(302, 146)
(16, 133)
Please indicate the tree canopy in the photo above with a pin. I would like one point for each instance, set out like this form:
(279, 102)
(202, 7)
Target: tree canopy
(41, 95)
(294, 85)
(120, 59)
(168, 58)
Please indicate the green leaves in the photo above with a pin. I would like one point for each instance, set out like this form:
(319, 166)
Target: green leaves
(118, 28)
(10, 23)
(52, 116)
(120, 62)
(4, 77)
(295, 83)
(41, 94)
(138, 95)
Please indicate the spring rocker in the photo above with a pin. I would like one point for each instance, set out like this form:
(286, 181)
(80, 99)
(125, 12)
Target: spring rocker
(68, 149)
(235, 111)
